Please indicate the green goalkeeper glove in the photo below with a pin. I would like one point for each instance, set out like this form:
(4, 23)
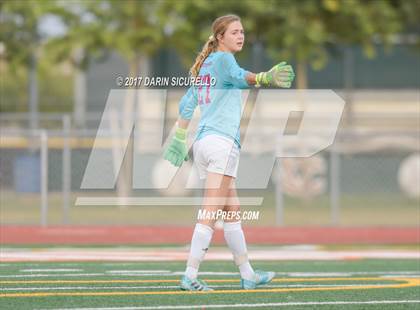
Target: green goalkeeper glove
(281, 75)
(177, 150)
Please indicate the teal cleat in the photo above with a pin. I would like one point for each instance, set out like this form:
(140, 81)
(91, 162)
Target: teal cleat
(188, 284)
(261, 278)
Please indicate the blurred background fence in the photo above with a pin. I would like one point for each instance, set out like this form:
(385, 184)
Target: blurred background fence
(59, 61)
(368, 177)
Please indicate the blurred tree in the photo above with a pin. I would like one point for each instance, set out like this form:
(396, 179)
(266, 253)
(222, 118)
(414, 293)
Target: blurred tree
(82, 42)
(135, 30)
(363, 23)
(22, 37)
(305, 29)
(409, 14)
(189, 22)
(301, 31)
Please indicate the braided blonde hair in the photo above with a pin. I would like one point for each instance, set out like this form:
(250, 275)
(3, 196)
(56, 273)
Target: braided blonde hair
(219, 26)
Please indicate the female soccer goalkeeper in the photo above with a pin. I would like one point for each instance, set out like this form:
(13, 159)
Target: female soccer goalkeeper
(216, 148)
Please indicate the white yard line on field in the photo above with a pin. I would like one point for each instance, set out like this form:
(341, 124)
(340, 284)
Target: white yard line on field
(107, 254)
(51, 270)
(259, 305)
(166, 273)
(383, 274)
(51, 275)
(347, 274)
(394, 275)
(167, 287)
(137, 271)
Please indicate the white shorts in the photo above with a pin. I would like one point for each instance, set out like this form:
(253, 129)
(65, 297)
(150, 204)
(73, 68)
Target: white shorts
(217, 154)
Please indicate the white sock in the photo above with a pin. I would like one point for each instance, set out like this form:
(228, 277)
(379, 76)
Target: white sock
(199, 245)
(235, 239)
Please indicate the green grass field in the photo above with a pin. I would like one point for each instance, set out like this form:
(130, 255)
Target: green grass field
(354, 284)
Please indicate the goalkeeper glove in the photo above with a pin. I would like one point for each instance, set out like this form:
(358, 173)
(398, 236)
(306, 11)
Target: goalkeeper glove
(281, 75)
(177, 150)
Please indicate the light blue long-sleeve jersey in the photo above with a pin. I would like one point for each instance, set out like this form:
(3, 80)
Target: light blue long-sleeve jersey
(220, 104)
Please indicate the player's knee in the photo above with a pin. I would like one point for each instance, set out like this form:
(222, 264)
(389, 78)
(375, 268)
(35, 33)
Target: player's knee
(207, 222)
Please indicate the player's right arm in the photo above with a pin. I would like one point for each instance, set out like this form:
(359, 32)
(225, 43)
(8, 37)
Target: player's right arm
(177, 151)
(188, 104)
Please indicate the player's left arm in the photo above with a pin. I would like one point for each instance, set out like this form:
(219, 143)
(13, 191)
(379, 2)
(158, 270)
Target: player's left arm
(234, 74)
(280, 75)
(251, 78)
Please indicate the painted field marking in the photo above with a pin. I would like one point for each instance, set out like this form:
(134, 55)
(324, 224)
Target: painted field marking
(51, 270)
(145, 273)
(177, 280)
(178, 273)
(99, 255)
(51, 275)
(408, 283)
(138, 271)
(260, 305)
(160, 287)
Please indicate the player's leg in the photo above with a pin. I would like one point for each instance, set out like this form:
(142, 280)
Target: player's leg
(235, 240)
(217, 188)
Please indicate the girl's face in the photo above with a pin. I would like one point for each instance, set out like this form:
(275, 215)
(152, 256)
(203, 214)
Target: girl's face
(233, 38)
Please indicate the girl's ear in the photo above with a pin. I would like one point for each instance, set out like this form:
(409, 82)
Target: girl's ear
(219, 37)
